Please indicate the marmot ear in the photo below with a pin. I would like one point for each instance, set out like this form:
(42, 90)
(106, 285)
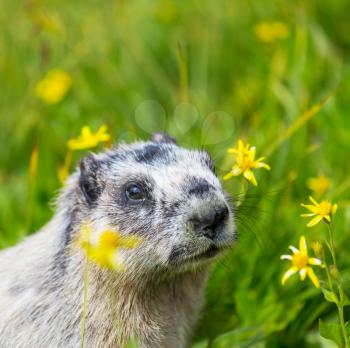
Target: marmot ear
(163, 138)
(89, 181)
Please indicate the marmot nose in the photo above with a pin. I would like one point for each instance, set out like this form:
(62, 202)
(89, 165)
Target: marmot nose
(210, 225)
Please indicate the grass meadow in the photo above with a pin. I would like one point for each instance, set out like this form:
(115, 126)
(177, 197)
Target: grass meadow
(274, 73)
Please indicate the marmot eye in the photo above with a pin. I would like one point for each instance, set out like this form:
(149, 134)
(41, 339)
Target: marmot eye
(135, 192)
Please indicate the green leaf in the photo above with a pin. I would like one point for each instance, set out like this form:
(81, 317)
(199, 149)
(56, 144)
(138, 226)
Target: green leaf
(329, 296)
(201, 344)
(331, 331)
(240, 338)
(347, 327)
(346, 301)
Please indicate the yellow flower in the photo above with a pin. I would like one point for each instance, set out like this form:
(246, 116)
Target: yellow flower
(319, 185)
(104, 251)
(245, 162)
(54, 86)
(301, 263)
(271, 31)
(166, 11)
(88, 140)
(324, 210)
(318, 249)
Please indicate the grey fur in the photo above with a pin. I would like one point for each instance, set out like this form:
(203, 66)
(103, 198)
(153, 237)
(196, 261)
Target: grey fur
(158, 296)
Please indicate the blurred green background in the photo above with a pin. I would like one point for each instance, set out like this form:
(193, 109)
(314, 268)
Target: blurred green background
(207, 72)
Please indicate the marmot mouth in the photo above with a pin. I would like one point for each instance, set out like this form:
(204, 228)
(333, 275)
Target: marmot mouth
(179, 256)
(208, 254)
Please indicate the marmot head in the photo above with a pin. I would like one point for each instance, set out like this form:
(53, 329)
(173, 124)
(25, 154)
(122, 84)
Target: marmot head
(167, 195)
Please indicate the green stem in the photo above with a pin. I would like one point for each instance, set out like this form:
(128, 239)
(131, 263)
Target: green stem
(331, 244)
(330, 283)
(242, 192)
(340, 301)
(341, 317)
(83, 320)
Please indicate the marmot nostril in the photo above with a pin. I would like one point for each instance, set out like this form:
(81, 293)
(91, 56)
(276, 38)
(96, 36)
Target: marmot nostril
(210, 224)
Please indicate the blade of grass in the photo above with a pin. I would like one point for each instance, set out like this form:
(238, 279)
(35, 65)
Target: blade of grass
(32, 178)
(183, 72)
(298, 123)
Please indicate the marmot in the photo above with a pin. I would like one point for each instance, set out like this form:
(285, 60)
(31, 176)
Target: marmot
(167, 195)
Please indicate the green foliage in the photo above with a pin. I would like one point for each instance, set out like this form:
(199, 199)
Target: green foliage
(197, 70)
(331, 331)
(329, 296)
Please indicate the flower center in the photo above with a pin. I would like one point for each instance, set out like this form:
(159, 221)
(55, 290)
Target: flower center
(300, 260)
(244, 162)
(109, 240)
(325, 208)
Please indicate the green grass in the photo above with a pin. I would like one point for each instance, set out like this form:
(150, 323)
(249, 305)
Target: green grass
(122, 55)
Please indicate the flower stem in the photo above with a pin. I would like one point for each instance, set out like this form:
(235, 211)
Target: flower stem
(341, 317)
(242, 192)
(331, 244)
(340, 299)
(83, 319)
(330, 283)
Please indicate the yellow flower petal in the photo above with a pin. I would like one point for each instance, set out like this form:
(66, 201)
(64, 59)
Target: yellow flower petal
(228, 176)
(334, 208)
(251, 153)
(311, 274)
(102, 129)
(328, 218)
(105, 251)
(302, 245)
(241, 146)
(102, 134)
(130, 242)
(313, 201)
(88, 140)
(236, 170)
(303, 273)
(288, 274)
(294, 249)
(86, 132)
(286, 257)
(232, 150)
(315, 261)
(262, 165)
(312, 208)
(260, 159)
(249, 175)
(314, 221)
